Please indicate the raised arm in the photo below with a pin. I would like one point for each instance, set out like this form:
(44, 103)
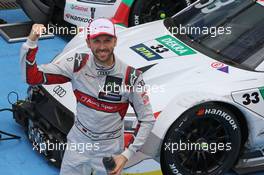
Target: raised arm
(52, 73)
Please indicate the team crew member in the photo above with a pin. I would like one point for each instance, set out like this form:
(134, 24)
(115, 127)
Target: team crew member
(100, 111)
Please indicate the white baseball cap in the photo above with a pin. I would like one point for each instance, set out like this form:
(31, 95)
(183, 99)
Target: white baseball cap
(101, 26)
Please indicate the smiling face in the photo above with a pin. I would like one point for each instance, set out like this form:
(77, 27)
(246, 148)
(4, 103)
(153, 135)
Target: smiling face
(103, 48)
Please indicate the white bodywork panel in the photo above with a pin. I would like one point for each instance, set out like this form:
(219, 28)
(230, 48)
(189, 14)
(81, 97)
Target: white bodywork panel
(80, 13)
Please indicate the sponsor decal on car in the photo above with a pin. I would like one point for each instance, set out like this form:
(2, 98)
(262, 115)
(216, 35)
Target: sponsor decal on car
(162, 47)
(145, 52)
(223, 114)
(101, 2)
(78, 18)
(79, 8)
(200, 112)
(218, 112)
(252, 99)
(175, 45)
(220, 66)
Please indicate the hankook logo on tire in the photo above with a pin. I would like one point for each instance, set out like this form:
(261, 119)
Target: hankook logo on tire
(223, 114)
(58, 90)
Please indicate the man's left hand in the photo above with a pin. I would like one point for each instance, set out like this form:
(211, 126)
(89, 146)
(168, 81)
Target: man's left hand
(120, 161)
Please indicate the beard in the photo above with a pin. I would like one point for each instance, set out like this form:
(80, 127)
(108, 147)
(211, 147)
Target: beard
(107, 55)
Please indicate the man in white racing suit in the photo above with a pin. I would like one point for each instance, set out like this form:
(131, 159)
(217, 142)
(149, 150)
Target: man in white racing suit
(97, 80)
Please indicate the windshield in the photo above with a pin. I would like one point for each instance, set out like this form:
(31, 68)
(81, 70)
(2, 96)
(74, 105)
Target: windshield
(232, 30)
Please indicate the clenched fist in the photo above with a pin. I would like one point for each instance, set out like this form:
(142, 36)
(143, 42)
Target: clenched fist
(36, 31)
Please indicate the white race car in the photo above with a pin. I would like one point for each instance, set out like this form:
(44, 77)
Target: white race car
(81, 12)
(204, 67)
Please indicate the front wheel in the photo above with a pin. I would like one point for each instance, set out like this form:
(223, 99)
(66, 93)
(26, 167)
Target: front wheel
(205, 140)
(150, 10)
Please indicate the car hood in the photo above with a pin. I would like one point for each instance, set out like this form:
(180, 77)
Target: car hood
(171, 68)
(179, 69)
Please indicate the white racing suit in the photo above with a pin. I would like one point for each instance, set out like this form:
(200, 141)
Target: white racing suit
(100, 110)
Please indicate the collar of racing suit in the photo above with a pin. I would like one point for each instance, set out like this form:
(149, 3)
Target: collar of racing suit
(102, 70)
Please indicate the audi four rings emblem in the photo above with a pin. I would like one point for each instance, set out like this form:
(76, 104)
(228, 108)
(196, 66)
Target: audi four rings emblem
(59, 91)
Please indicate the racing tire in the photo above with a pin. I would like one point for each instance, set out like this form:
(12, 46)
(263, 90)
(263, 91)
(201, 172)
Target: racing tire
(205, 140)
(150, 10)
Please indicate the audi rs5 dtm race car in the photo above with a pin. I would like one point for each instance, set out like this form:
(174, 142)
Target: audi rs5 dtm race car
(81, 12)
(208, 62)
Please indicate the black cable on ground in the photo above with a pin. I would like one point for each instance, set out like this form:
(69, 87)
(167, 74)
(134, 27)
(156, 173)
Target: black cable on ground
(11, 136)
(6, 109)
(9, 94)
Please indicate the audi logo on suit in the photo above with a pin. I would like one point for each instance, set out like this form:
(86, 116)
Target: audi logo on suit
(58, 90)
